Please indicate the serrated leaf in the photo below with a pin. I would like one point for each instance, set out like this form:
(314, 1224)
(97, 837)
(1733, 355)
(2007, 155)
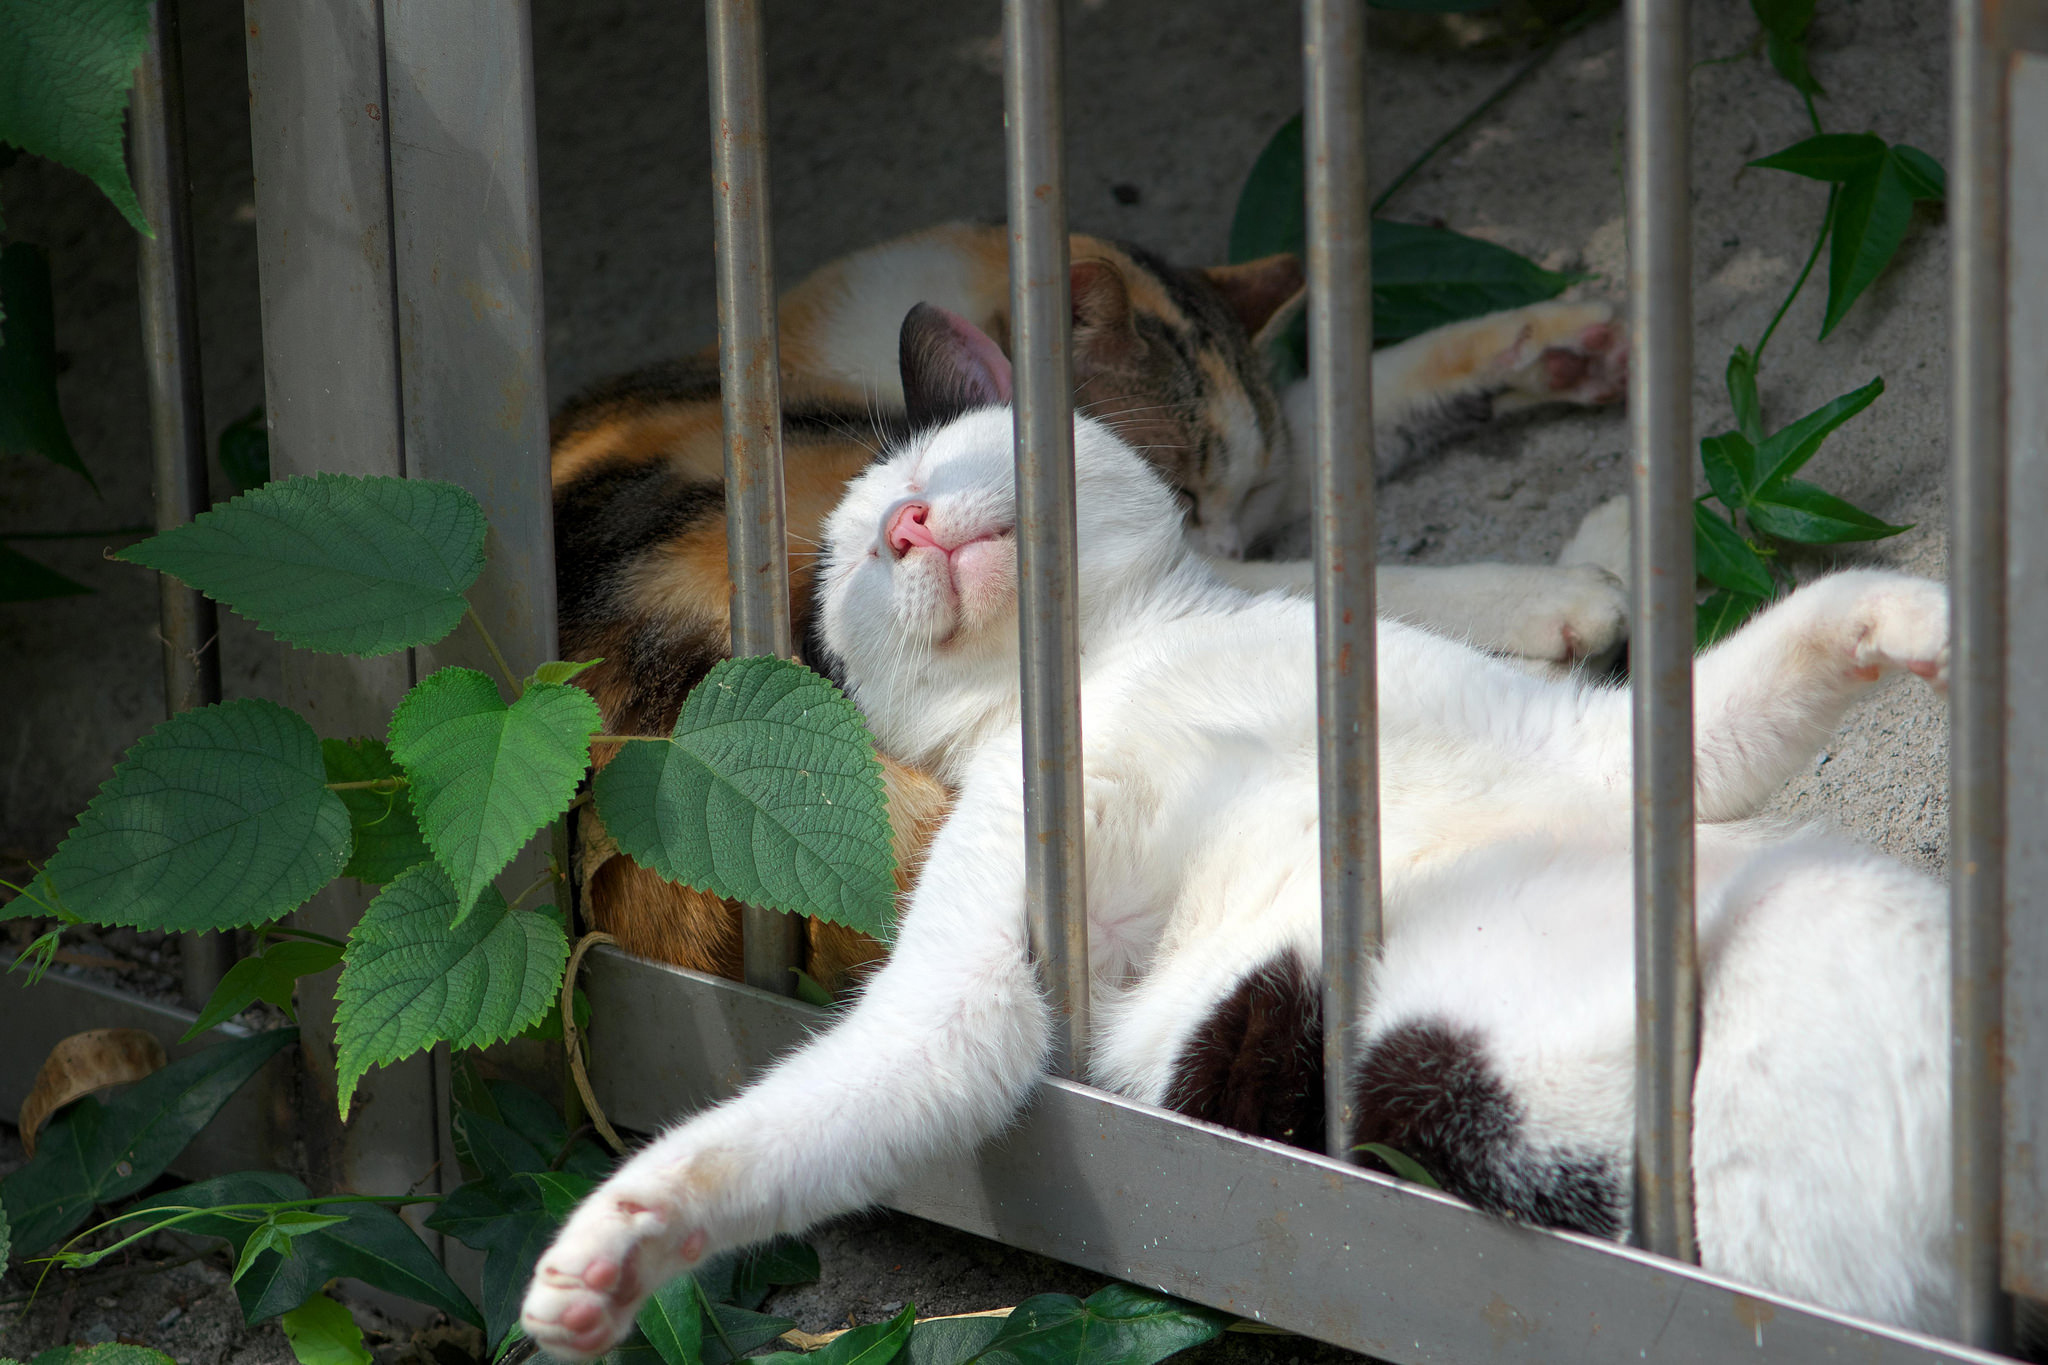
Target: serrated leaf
(217, 818)
(1742, 395)
(673, 1323)
(95, 1153)
(244, 449)
(1717, 617)
(486, 776)
(410, 980)
(268, 977)
(64, 75)
(321, 1332)
(1797, 510)
(31, 423)
(1117, 1325)
(24, 580)
(371, 1244)
(769, 793)
(333, 562)
(387, 837)
(877, 1343)
(1724, 558)
(1785, 452)
(560, 671)
(1730, 463)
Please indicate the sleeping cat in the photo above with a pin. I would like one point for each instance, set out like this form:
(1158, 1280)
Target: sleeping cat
(1821, 1142)
(1168, 357)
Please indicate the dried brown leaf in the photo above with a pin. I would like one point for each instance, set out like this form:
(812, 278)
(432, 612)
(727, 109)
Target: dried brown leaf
(81, 1064)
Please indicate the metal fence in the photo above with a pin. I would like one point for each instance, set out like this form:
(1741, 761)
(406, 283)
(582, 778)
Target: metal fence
(376, 250)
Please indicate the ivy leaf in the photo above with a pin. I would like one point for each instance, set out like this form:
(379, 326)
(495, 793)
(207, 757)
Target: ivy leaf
(1879, 184)
(486, 776)
(218, 817)
(1716, 618)
(31, 423)
(1784, 453)
(1725, 558)
(673, 1323)
(878, 1343)
(96, 1152)
(409, 980)
(769, 792)
(24, 580)
(321, 1332)
(245, 450)
(1118, 1324)
(269, 977)
(1742, 395)
(1797, 510)
(64, 77)
(387, 837)
(370, 1243)
(1785, 23)
(275, 1233)
(333, 562)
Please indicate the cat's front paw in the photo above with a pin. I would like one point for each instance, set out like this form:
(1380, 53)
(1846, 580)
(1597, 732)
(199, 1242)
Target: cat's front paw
(1899, 623)
(1564, 353)
(622, 1243)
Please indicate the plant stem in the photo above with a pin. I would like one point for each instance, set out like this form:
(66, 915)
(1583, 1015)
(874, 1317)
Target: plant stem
(184, 1213)
(1528, 69)
(518, 688)
(545, 878)
(290, 932)
(1827, 221)
(369, 784)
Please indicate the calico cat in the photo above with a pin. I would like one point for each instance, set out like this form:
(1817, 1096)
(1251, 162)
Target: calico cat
(1168, 357)
(1821, 1142)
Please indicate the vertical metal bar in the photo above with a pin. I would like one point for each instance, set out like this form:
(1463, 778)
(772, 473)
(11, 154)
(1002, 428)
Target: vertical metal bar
(750, 380)
(2025, 1174)
(177, 413)
(1041, 315)
(1346, 534)
(1977, 750)
(1661, 638)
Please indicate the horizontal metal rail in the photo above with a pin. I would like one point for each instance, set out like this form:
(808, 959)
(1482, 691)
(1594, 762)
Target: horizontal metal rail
(1296, 1240)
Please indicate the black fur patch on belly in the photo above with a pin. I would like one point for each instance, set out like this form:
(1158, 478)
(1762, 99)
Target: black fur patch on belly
(1256, 1064)
(1427, 1091)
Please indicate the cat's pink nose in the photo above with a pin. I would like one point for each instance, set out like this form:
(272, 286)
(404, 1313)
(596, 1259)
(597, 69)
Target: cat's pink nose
(907, 529)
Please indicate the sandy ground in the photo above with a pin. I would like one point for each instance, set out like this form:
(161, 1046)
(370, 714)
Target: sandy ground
(886, 117)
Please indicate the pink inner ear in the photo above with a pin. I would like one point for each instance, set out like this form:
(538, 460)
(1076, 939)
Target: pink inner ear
(981, 351)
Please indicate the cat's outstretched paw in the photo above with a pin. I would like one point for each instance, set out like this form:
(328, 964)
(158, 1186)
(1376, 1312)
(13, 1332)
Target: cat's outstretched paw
(1899, 624)
(617, 1247)
(1564, 353)
(1571, 613)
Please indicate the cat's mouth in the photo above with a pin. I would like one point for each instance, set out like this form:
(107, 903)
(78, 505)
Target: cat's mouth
(957, 579)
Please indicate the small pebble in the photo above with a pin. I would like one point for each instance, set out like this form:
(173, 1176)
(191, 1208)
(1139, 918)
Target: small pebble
(167, 1319)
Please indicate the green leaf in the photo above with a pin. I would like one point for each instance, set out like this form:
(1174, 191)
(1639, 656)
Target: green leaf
(1730, 462)
(950, 1341)
(744, 1330)
(784, 1261)
(1785, 23)
(560, 1191)
(560, 672)
(877, 1343)
(269, 977)
(1725, 558)
(31, 423)
(486, 776)
(673, 1323)
(1436, 6)
(1272, 212)
(1923, 175)
(387, 837)
(24, 580)
(371, 1244)
(96, 1152)
(1835, 157)
(275, 1233)
(1797, 510)
(65, 70)
(1742, 395)
(1784, 453)
(333, 562)
(321, 1332)
(1424, 277)
(1404, 1166)
(409, 980)
(809, 991)
(218, 817)
(1718, 616)
(769, 793)
(245, 450)
(1117, 1325)
(106, 1353)
(505, 1220)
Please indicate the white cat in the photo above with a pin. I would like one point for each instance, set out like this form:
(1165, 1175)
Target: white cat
(1498, 1036)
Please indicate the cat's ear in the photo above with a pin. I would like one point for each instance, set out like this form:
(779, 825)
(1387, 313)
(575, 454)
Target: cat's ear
(1264, 294)
(949, 367)
(1105, 329)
